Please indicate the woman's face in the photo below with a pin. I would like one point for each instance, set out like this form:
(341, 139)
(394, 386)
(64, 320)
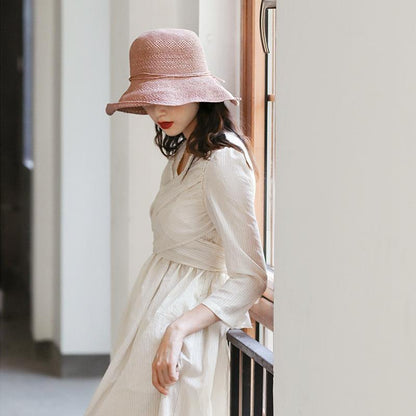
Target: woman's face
(174, 119)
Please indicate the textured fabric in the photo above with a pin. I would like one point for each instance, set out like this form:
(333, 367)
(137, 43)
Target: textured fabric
(168, 67)
(206, 249)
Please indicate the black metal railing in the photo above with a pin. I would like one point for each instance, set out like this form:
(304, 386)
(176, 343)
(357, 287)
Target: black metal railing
(251, 392)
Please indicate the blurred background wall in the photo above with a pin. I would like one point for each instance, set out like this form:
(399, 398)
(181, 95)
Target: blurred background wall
(71, 176)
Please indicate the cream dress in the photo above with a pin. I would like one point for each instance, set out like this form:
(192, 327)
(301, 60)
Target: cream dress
(206, 249)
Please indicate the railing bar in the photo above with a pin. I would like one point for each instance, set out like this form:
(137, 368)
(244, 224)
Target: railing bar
(249, 346)
(246, 375)
(234, 381)
(269, 394)
(258, 390)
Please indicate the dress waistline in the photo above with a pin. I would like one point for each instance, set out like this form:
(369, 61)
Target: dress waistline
(200, 254)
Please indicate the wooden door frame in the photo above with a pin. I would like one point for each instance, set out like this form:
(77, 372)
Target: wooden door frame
(252, 120)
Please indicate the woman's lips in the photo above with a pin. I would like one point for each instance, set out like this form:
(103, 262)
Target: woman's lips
(166, 124)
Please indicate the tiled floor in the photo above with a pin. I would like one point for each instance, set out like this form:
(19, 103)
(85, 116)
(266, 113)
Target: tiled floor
(26, 389)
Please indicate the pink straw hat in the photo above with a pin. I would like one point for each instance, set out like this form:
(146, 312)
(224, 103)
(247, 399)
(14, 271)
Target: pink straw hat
(168, 67)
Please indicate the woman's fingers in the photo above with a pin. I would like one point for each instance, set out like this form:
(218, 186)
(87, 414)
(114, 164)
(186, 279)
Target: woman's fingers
(173, 372)
(156, 381)
(164, 374)
(167, 374)
(165, 371)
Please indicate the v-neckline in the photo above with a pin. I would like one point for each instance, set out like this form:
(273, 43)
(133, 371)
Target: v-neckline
(177, 161)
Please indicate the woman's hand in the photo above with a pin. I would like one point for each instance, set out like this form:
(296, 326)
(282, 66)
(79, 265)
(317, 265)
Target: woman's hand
(164, 371)
(164, 366)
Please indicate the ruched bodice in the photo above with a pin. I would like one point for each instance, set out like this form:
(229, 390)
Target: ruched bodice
(182, 228)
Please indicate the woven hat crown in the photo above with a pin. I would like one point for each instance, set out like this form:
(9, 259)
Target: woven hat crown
(168, 67)
(167, 52)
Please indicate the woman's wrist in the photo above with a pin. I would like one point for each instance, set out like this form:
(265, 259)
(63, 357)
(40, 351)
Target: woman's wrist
(193, 320)
(177, 330)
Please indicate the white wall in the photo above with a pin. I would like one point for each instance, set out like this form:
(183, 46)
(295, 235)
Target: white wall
(219, 31)
(85, 180)
(345, 321)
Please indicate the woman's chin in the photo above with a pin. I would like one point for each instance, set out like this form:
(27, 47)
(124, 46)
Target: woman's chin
(172, 132)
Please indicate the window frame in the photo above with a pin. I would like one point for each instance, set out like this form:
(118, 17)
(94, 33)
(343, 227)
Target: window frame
(252, 120)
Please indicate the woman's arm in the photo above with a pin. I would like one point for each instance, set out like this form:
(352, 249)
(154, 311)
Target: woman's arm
(164, 370)
(228, 194)
(192, 321)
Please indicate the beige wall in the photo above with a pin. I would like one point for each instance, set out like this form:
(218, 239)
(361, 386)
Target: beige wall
(45, 178)
(345, 321)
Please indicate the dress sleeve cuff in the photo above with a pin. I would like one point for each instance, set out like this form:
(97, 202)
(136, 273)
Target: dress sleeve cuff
(238, 320)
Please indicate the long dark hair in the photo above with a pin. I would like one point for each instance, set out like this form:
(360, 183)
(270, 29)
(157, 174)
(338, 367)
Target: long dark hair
(213, 120)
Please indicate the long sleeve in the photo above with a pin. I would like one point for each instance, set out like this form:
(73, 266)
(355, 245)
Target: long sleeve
(229, 191)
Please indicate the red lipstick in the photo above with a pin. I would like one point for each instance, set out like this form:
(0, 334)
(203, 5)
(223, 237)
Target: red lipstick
(166, 124)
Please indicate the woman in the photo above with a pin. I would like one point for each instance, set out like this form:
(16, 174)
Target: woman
(207, 268)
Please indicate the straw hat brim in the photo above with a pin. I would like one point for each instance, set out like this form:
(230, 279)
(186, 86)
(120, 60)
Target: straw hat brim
(170, 91)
